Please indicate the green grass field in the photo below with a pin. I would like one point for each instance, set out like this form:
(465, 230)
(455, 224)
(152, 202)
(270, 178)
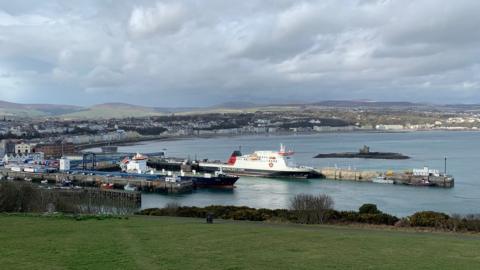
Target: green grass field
(183, 243)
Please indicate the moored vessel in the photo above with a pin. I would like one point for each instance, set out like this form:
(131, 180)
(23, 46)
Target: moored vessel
(262, 164)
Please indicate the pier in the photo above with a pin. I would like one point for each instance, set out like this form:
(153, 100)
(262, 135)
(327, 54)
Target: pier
(399, 178)
(143, 184)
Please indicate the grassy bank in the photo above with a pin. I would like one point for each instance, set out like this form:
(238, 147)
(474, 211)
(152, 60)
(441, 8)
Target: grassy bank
(186, 243)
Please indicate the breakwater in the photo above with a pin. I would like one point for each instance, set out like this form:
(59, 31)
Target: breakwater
(399, 178)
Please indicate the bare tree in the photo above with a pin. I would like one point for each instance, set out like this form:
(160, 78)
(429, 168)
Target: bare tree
(311, 209)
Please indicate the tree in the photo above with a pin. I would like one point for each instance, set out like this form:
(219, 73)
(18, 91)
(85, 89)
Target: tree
(311, 209)
(369, 208)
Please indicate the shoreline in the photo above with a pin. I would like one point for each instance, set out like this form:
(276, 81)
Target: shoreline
(137, 141)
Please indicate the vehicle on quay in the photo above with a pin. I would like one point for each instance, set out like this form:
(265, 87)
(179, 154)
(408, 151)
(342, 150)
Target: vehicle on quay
(382, 180)
(130, 187)
(262, 164)
(106, 186)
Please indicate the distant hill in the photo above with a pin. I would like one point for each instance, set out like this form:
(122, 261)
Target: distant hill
(366, 103)
(235, 105)
(122, 110)
(35, 110)
(113, 110)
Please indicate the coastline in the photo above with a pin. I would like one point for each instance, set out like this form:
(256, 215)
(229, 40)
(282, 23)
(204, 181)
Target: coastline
(136, 141)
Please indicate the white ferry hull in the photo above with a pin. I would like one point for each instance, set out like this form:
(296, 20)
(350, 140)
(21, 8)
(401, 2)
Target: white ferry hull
(299, 173)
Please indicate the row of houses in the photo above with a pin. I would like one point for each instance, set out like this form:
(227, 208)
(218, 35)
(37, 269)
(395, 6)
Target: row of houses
(54, 150)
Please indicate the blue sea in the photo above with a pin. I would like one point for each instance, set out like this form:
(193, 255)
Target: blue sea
(462, 150)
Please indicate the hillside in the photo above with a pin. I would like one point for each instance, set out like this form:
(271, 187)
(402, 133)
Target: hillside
(113, 110)
(35, 110)
(184, 243)
(122, 110)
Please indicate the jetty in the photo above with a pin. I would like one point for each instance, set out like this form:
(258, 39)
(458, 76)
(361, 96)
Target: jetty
(410, 178)
(94, 180)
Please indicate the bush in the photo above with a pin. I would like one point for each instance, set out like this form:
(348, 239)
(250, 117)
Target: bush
(428, 219)
(19, 197)
(369, 208)
(171, 208)
(9, 194)
(379, 219)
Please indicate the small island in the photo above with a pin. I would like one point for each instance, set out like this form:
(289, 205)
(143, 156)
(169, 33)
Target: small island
(364, 153)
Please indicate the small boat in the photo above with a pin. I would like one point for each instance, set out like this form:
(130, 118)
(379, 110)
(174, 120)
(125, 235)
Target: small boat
(28, 179)
(382, 180)
(107, 186)
(130, 187)
(423, 183)
(44, 182)
(66, 183)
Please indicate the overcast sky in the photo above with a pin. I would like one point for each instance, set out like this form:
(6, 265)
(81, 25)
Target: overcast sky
(203, 52)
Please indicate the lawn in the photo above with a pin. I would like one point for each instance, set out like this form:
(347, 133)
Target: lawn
(184, 243)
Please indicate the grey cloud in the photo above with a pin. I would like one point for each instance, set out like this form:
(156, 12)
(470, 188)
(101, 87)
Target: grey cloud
(187, 53)
(159, 18)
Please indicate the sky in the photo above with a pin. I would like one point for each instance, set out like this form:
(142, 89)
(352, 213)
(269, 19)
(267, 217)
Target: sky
(205, 52)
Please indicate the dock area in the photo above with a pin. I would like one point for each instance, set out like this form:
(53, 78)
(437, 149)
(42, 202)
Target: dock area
(87, 180)
(398, 178)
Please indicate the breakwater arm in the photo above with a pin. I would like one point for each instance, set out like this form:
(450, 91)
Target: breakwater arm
(399, 178)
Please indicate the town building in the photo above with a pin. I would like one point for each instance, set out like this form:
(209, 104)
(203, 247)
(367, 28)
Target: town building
(24, 148)
(55, 150)
(8, 146)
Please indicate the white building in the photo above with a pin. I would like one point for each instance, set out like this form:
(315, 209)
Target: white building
(389, 127)
(35, 158)
(24, 148)
(64, 164)
(426, 172)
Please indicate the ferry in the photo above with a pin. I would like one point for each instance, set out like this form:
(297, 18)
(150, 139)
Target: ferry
(272, 164)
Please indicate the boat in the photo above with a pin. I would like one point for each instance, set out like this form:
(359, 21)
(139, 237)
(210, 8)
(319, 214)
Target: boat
(423, 183)
(382, 180)
(66, 183)
(130, 187)
(364, 153)
(106, 186)
(28, 179)
(44, 181)
(218, 179)
(272, 164)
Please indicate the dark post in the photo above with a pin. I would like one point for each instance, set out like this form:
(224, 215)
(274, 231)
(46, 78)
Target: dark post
(209, 218)
(445, 167)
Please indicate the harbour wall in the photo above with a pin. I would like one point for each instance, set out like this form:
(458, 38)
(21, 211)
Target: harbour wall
(142, 184)
(400, 178)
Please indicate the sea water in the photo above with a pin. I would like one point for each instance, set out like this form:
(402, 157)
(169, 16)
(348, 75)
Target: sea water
(462, 150)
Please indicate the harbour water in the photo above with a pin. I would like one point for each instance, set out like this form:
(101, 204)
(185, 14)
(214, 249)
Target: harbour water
(424, 148)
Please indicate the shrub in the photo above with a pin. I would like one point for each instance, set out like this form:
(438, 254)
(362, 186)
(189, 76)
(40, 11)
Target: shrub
(369, 208)
(379, 219)
(428, 219)
(403, 222)
(9, 194)
(171, 208)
